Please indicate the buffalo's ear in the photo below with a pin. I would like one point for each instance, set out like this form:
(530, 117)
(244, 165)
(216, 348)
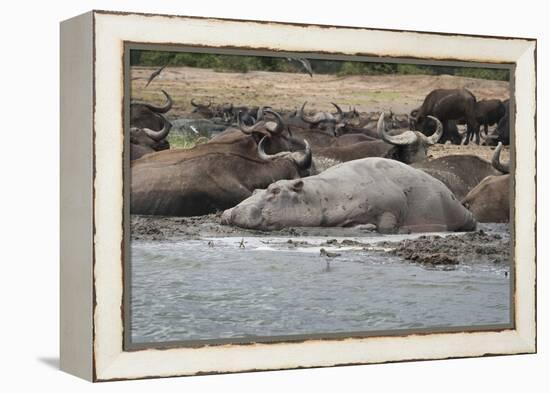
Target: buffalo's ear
(298, 185)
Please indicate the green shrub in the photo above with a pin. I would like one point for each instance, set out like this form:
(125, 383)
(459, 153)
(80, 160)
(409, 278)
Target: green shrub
(237, 63)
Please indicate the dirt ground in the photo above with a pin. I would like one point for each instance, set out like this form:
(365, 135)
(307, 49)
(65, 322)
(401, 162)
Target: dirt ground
(368, 93)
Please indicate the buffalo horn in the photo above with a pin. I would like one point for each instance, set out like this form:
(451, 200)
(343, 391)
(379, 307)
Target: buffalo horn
(432, 139)
(158, 109)
(159, 135)
(280, 125)
(319, 117)
(248, 130)
(340, 113)
(302, 158)
(504, 168)
(406, 138)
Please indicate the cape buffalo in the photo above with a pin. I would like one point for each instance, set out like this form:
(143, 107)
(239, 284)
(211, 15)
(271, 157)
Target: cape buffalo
(407, 147)
(388, 194)
(215, 176)
(460, 172)
(204, 110)
(325, 121)
(489, 112)
(145, 141)
(248, 115)
(447, 104)
(502, 132)
(489, 201)
(145, 115)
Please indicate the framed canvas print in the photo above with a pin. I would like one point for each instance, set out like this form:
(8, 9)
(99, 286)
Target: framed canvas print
(245, 195)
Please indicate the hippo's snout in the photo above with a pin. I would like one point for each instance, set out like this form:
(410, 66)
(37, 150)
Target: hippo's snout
(245, 216)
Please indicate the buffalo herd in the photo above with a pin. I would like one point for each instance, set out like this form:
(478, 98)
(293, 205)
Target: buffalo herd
(272, 168)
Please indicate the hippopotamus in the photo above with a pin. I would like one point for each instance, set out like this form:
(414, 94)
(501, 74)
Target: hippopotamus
(388, 194)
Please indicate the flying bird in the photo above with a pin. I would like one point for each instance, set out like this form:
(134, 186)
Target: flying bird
(155, 74)
(304, 62)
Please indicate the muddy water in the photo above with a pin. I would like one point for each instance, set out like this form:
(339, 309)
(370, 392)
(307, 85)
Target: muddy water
(212, 287)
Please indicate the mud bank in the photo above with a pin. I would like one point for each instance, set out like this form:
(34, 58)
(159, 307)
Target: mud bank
(489, 244)
(467, 248)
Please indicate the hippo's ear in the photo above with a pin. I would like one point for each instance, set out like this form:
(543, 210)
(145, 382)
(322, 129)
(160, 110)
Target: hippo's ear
(297, 185)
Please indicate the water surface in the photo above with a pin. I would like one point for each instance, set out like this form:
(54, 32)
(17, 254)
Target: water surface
(213, 288)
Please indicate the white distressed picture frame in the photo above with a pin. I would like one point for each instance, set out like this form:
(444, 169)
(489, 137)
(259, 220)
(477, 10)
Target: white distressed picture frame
(92, 147)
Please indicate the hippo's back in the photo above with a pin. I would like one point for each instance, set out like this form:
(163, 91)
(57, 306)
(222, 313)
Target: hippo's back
(430, 205)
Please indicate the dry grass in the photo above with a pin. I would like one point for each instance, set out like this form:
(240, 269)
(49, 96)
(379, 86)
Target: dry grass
(368, 93)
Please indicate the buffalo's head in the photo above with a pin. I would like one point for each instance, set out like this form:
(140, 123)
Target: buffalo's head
(412, 146)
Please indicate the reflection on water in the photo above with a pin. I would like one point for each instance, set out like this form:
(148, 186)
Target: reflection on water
(212, 288)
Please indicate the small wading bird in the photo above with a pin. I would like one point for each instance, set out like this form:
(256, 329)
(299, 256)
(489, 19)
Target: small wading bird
(327, 254)
(304, 62)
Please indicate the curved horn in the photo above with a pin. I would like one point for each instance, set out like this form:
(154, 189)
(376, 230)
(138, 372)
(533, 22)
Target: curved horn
(406, 138)
(248, 130)
(302, 159)
(319, 117)
(436, 136)
(263, 155)
(280, 122)
(159, 135)
(166, 107)
(499, 166)
(261, 110)
(158, 109)
(340, 112)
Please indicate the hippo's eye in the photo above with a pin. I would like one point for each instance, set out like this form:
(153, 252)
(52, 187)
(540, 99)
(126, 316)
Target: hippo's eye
(275, 191)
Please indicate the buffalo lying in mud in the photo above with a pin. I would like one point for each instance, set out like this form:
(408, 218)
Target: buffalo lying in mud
(145, 141)
(216, 175)
(204, 110)
(407, 147)
(388, 194)
(460, 172)
(447, 104)
(489, 201)
(331, 124)
(248, 116)
(145, 115)
(227, 112)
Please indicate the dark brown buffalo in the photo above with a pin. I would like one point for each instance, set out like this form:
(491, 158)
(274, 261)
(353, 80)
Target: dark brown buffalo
(489, 112)
(407, 147)
(248, 115)
(447, 104)
(460, 173)
(145, 115)
(145, 141)
(489, 201)
(502, 132)
(216, 175)
(204, 110)
(329, 123)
